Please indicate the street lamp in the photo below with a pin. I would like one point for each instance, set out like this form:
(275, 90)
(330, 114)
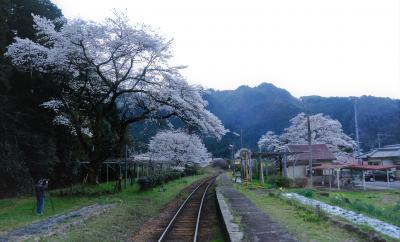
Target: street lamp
(238, 135)
(231, 148)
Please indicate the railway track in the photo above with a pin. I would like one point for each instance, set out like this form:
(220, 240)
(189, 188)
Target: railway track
(185, 224)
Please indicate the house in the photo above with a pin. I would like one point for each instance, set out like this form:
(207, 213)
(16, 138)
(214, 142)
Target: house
(387, 155)
(298, 162)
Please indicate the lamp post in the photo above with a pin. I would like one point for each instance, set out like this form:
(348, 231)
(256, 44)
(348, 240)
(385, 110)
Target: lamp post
(357, 137)
(239, 135)
(231, 147)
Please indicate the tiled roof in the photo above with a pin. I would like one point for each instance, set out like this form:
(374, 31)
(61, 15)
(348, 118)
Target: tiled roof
(386, 151)
(319, 152)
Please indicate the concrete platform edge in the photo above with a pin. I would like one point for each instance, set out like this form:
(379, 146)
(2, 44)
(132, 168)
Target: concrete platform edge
(232, 229)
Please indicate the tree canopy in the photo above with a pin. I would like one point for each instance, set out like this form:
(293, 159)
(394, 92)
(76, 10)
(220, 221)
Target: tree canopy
(112, 75)
(179, 147)
(324, 130)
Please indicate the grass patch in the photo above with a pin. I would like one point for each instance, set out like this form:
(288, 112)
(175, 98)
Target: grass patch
(383, 205)
(131, 212)
(299, 221)
(218, 238)
(133, 205)
(17, 212)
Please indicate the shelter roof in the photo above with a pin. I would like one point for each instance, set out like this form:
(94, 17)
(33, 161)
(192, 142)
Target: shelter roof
(319, 152)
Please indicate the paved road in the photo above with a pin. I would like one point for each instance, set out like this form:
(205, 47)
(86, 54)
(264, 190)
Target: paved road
(256, 224)
(383, 185)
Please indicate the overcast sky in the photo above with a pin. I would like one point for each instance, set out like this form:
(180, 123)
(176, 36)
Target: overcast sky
(309, 47)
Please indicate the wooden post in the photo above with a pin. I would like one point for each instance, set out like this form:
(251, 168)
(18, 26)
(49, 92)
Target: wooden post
(246, 168)
(338, 178)
(363, 179)
(107, 172)
(137, 171)
(318, 210)
(387, 177)
(294, 165)
(284, 173)
(261, 171)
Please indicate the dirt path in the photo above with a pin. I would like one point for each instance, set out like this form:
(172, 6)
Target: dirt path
(56, 224)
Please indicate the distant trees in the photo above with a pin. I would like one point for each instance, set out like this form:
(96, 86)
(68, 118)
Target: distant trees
(178, 146)
(112, 75)
(324, 130)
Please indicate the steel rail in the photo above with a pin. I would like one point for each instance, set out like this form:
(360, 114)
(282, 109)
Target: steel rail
(179, 211)
(199, 213)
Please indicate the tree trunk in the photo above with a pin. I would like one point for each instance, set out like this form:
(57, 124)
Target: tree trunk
(94, 171)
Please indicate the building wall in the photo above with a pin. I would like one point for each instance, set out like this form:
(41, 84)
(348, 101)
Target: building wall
(299, 171)
(384, 161)
(387, 162)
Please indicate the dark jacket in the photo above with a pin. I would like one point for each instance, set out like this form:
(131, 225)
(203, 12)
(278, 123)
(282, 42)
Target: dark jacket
(40, 188)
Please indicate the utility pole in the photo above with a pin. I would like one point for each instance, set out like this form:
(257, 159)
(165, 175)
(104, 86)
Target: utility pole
(241, 138)
(310, 148)
(379, 140)
(357, 137)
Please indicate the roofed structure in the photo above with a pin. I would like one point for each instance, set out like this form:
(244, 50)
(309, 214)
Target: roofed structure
(320, 153)
(384, 152)
(387, 155)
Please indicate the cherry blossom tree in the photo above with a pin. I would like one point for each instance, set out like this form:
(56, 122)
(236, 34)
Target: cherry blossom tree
(240, 153)
(270, 142)
(113, 74)
(179, 147)
(324, 130)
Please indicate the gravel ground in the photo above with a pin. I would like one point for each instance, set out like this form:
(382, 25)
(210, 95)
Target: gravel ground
(55, 224)
(376, 224)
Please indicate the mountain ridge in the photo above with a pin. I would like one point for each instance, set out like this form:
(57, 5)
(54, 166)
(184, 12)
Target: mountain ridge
(256, 110)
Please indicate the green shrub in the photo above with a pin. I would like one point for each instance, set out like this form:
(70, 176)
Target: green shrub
(308, 216)
(280, 181)
(396, 208)
(339, 199)
(147, 182)
(300, 182)
(306, 192)
(191, 170)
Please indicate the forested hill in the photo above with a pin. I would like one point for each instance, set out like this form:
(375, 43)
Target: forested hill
(266, 107)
